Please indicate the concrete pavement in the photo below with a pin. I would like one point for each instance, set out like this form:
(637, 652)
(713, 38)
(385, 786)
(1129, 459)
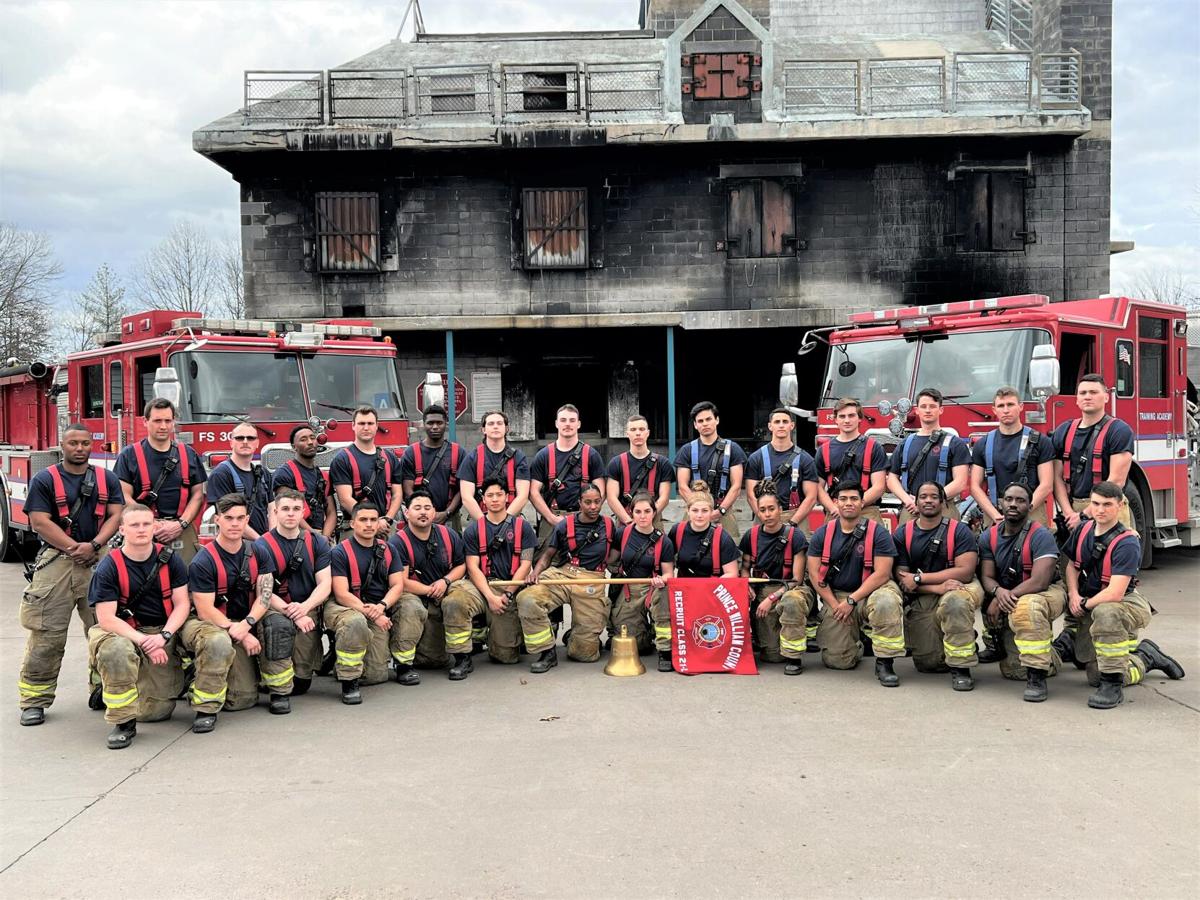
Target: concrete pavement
(572, 784)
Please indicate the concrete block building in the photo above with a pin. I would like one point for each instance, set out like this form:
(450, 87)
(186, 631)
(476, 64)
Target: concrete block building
(637, 219)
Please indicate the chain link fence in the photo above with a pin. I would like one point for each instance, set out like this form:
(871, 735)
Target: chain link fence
(376, 95)
(904, 85)
(284, 96)
(821, 87)
(624, 91)
(993, 80)
(535, 93)
(464, 92)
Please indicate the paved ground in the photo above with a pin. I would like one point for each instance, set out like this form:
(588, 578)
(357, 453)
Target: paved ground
(655, 786)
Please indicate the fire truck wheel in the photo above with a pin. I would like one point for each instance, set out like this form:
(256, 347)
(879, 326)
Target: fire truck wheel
(1137, 511)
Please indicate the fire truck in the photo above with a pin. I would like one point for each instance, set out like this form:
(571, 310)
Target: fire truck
(218, 372)
(968, 349)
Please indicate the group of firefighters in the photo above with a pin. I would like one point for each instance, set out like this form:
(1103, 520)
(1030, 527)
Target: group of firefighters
(420, 560)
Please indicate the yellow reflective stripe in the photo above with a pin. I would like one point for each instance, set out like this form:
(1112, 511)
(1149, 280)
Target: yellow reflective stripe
(458, 638)
(1032, 648)
(539, 637)
(1135, 674)
(799, 646)
(282, 678)
(1120, 648)
(116, 701)
(405, 657)
(480, 634)
(959, 649)
(35, 690)
(662, 631)
(896, 642)
(810, 631)
(347, 658)
(200, 696)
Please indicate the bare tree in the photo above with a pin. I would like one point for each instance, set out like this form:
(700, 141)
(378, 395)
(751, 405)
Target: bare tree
(182, 273)
(28, 270)
(1166, 284)
(231, 286)
(97, 310)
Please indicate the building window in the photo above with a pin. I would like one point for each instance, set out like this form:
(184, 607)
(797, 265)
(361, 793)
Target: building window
(1124, 383)
(761, 220)
(348, 231)
(721, 76)
(555, 228)
(92, 401)
(1152, 357)
(990, 211)
(541, 90)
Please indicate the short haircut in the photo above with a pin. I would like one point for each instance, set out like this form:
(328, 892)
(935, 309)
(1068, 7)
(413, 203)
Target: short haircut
(637, 417)
(232, 501)
(1007, 391)
(1109, 490)
(1096, 377)
(365, 410)
(287, 493)
(932, 393)
(434, 409)
(364, 506)
(490, 482)
(1021, 486)
(421, 494)
(249, 425)
(781, 411)
(134, 507)
(847, 484)
(77, 426)
(493, 412)
(941, 491)
(848, 401)
(158, 403)
(299, 428)
(566, 407)
(704, 406)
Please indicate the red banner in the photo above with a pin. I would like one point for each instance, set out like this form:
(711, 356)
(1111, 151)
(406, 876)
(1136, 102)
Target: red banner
(711, 626)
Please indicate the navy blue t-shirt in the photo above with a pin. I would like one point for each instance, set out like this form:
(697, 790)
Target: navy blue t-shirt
(495, 465)
(910, 448)
(571, 476)
(1007, 555)
(658, 470)
(105, 586)
(167, 505)
(375, 475)
(312, 486)
(432, 559)
(441, 481)
(591, 545)
(849, 577)
(799, 466)
(302, 580)
(637, 559)
(228, 479)
(769, 559)
(831, 472)
(1118, 439)
(374, 590)
(86, 524)
(500, 550)
(1126, 559)
(710, 463)
(912, 545)
(695, 560)
(1006, 454)
(202, 576)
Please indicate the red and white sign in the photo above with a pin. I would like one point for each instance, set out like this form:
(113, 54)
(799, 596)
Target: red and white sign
(711, 626)
(460, 396)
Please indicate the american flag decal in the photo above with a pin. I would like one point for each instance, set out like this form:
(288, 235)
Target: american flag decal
(1123, 355)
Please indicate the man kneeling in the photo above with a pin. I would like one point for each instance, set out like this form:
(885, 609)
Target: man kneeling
(140, 596)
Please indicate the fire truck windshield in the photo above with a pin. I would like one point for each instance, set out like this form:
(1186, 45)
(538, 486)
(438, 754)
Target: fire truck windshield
(881, 370)
(970, 365)
(339, 382)
(264, 387)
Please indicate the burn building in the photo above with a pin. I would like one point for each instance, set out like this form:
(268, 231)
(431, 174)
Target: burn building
(638, 219)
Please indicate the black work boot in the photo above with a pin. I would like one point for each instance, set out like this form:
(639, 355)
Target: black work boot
(993, 646)
(96, 698)
(1065, 645)
(329, 659)
(204, 723)
(1109, 694)
(793, 666)
(886, 673)
(122, 736)
(351, 695)
(463, 666)
(406, 676)
(1035, 685)
(300, 686)
(35, 715)
(281, 705)
(1151, 654)
(664, 661)
(546, 661)
(961, 679)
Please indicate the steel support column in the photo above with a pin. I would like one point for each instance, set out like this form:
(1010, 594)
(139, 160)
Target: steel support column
(451, 392)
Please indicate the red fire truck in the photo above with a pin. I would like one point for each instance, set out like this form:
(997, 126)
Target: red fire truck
(218, 372)
(966, 350)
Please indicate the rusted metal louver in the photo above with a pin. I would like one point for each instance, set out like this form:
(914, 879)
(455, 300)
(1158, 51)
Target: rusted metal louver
(348, 231)
(556, 227)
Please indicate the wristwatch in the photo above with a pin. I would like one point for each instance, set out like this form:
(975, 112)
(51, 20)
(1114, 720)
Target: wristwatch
(721, 510)
(852, 601)
(166, 635)
(95, 546)
(251, 621)
(916, 578)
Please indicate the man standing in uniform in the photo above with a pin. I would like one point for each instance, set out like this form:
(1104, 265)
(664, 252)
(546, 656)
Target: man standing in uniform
(559, 471)
(302, 474)
(715, 460)
(166, 476)
(636, 470)
(930, 454)
(367, 583)
(850, 568)
(584, 539)
(364, 473)
(1013, 452)
(789, 470)
(499, 547)
(1102, 591)
(74, 507)
(432, 466)
(232, 591)
(779, 609)
(850, 456)
(240, 474)
(1019, 572)
(494, 458)
(936, 558)
(299, 562)
(140, 597)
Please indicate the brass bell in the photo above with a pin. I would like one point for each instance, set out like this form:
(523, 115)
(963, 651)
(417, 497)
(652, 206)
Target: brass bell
(624, 660)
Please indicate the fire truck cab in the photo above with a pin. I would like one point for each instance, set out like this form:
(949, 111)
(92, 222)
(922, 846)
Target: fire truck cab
(968, 349)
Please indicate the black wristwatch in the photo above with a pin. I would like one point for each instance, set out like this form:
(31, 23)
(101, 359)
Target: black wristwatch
(166, 635)
(853, 601)
(916, 578)
(95, 546)
(251, 621)
(721, 510)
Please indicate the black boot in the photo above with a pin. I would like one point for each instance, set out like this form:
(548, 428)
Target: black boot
(462, 666)
(35, 715)
(546, 661)
(329, 659)
(122, 736)
(1065, 645)
(281, 705)
(1151, 654)
(351, 695)
(961, 679)
(204, 723)
(300, 686)
(96, 698)
(1035, 685)
(886, 674)
(1109, 694)
(664, 661)
(406, 676)
(793, 666)
(993, 646)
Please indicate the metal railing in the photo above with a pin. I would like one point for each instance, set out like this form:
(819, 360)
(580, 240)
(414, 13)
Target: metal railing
(463, 92)
(540, 92)
(906, 85)
(819, 87)
(374, 95)
(993, 80)
(284, 96)
(623, 91)
(1059, 80)
(1012, 19)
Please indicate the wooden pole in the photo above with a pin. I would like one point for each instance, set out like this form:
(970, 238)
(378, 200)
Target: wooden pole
(592, 581)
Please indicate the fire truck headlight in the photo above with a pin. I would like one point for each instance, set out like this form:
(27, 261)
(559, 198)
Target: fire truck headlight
(903, 405)
(896, 427)
(885, 407)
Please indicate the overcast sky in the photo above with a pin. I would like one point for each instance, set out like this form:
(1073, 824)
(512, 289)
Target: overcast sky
(98, 101)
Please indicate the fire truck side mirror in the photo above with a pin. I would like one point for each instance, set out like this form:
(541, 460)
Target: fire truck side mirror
(166, 385)
(789, 388)
(1045, 376)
